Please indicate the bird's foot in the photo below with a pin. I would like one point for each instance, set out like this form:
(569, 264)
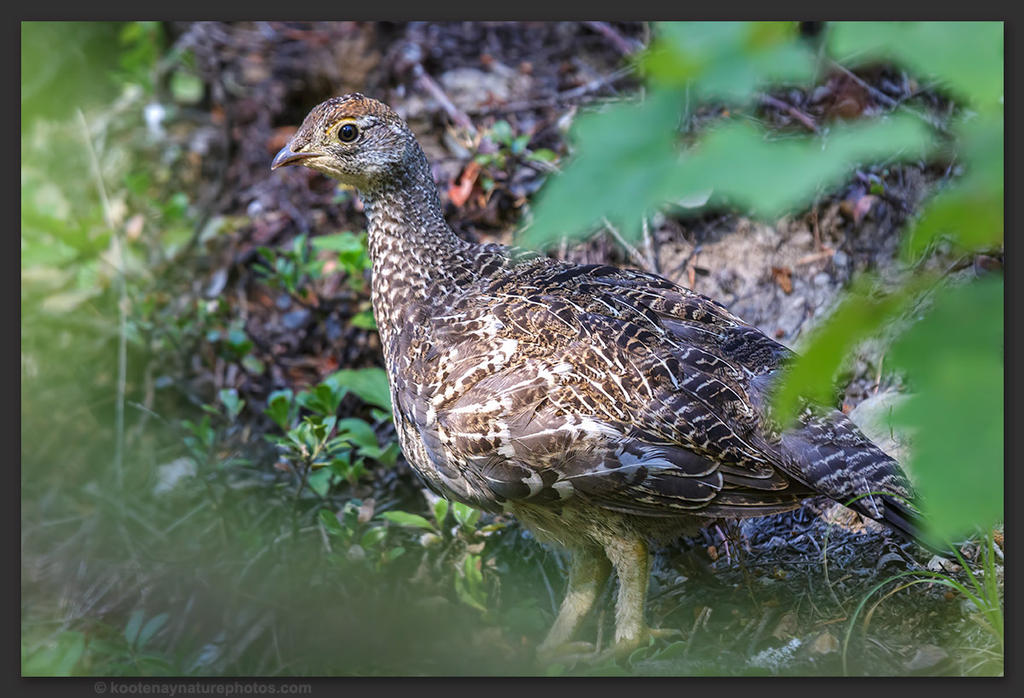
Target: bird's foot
(570, 653)
(626, 646)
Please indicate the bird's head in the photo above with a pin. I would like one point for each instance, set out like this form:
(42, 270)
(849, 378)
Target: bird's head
(354, 139)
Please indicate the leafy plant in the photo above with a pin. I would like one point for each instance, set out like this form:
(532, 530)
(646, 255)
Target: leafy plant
(352, 255)
(57, 657)
(324, 450)
(364, 543)
(106, 651)
(634, 158)
(500, 148)
(459, 548)
(289, 269)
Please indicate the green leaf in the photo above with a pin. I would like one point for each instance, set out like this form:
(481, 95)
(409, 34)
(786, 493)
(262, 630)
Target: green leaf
(971, 215)
(370, 384)
(350, 247)
(372, 537)
(623, 177)
(466, 515)
(341, 465)
(323, 399)
(954, 361)
(232, 403)
(151, 628)
(388, 455)
(971, 210)
(364, 320)
(253, 365)
(501, 132)
(860, 314)
(542, 155)
(330, 522)
(469, 585)
(358, 432)
(320, 481)
(727, 60)
(279, 404)
(404, 518)
(967, 56)
(131, 630)
(440, 511)
(238, 341)
(771, 177)
(338, 242)
(624, 156)
(57, 658)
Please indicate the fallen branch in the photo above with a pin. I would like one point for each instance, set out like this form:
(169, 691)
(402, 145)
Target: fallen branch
(638, 258)
(625, 46)
(410, 60)
(826, 252)
(800, 116)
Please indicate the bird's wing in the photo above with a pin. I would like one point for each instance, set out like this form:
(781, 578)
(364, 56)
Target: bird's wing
(577, 382)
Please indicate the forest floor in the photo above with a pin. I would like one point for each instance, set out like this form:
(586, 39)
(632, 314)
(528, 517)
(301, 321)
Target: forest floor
(766, 596)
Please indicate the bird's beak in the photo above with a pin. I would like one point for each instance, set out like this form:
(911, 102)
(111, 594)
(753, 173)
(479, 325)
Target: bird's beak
(286, 156)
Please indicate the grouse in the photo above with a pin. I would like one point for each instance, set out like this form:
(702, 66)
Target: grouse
(607, 409)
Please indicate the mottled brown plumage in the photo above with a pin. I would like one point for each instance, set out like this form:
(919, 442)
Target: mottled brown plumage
(605, 408)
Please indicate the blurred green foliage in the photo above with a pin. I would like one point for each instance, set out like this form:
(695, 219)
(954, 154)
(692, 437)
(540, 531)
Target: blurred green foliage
(631, 159)
(726, 60)
(206, 559)
(80, 73)
(954, 358)
(966, 57)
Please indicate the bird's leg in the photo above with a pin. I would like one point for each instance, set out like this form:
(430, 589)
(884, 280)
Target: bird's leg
(588, 572)
(632, 565)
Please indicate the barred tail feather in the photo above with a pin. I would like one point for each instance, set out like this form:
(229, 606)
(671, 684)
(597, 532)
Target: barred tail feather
(832, 456)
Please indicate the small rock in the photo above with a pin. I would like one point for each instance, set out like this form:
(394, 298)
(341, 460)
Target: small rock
(792, 314)
(295, 319)
(469, 88)
(927, 657)
(802, 238)
(775, 658)
(154, 114)
(941, 564)
(170, 474)
(843, 517)
(786, 627)
(826, 643)
(840, 258)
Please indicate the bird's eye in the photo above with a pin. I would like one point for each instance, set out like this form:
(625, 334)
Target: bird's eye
(348, 133)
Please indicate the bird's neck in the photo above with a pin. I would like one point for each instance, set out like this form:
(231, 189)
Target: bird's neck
(412, 247)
